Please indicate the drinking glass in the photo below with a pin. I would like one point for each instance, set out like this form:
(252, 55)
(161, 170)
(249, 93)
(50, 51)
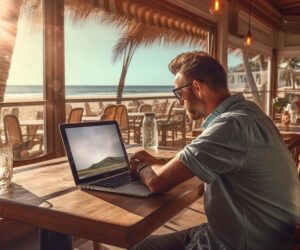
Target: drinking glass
(6, 162)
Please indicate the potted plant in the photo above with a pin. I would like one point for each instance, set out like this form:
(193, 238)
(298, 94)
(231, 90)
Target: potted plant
(279, 103)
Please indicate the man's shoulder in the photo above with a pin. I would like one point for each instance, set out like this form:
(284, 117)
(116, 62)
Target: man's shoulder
(243, 112)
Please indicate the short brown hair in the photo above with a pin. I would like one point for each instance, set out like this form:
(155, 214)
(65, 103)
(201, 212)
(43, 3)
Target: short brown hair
(198, 65)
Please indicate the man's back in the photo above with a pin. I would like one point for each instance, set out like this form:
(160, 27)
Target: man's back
(252, 199)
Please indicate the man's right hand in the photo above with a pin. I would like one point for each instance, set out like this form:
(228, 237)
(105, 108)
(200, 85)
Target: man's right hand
(143, 157)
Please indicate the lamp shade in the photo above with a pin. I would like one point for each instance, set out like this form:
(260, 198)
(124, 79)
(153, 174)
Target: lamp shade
(248, 39)
(215, 6)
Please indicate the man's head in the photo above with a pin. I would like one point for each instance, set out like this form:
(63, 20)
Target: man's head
(200, 82)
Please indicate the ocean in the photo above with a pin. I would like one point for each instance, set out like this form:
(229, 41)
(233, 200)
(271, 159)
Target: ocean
(86, 90)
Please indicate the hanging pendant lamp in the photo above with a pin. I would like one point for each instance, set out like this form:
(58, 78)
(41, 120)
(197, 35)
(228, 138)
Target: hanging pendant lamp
(249, 38)
(216, 6)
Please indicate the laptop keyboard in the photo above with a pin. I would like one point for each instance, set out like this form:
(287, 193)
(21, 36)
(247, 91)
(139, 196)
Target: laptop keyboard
(116, 181)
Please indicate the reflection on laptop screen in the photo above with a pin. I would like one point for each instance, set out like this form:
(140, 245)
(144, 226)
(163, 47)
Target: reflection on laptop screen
(96, 149)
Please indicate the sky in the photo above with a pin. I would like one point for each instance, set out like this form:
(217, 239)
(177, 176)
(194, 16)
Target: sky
(90, 145)
(88, 58)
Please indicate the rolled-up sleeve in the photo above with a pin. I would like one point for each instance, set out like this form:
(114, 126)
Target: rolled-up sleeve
(221, 148)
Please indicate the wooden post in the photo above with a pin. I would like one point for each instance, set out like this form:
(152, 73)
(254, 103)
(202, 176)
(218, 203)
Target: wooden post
(54, 90)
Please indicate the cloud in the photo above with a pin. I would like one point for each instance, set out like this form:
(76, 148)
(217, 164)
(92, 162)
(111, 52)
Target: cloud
(93, 143)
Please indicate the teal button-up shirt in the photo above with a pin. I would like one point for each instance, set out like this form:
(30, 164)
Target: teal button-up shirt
(252, 193)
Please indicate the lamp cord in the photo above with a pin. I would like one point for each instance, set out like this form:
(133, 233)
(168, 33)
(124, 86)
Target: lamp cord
(249, 16)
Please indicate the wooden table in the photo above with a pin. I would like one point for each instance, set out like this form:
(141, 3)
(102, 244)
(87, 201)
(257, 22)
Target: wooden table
(44, 195)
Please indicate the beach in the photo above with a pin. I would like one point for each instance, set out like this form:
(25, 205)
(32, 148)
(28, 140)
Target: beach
(29, 112)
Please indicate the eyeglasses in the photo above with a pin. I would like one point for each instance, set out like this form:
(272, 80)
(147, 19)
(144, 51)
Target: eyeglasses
(178, 93)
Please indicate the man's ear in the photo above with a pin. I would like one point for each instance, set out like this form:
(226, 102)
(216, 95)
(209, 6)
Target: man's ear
(197, 86)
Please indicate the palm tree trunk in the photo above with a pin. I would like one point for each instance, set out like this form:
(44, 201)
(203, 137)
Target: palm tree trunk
(10, 12)
(128, 54)
(250, 79)
(263, 79)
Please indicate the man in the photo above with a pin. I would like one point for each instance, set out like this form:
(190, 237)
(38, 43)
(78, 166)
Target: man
(252, 192)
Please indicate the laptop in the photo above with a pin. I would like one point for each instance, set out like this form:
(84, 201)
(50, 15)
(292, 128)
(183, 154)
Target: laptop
(98, 158)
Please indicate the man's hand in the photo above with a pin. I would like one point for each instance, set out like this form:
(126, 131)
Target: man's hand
(143, 157)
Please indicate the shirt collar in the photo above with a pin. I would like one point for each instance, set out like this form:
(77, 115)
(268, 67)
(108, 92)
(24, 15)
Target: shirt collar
(222, 108)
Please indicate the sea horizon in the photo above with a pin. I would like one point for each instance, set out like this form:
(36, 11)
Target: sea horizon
(79, 90)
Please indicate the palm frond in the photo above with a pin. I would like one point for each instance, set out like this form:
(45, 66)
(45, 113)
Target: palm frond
(146, 35)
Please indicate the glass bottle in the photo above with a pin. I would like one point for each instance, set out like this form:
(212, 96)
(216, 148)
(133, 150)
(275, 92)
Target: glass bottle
(150, 138)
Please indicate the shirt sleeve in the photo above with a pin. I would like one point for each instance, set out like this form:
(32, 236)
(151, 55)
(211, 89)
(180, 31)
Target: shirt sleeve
(220, 149)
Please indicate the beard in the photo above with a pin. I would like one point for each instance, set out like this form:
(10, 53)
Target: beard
(195, 115)
(195, 111)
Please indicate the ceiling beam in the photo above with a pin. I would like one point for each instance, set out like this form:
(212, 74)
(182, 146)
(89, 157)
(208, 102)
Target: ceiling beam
(263, 11)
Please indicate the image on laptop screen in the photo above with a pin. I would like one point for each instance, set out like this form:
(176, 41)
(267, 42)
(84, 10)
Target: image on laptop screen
(96, 149)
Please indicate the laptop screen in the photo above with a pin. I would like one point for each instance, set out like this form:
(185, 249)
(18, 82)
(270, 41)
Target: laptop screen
(96, 149)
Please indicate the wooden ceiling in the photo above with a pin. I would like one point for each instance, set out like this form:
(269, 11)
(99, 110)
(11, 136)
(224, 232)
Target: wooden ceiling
(290, 11)
(280, 14)
(287, 7)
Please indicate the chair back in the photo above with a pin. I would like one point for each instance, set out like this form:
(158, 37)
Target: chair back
(12, 128)
(75, 115)
(170, 110)
(15, 112)
(68, 109)
(101, 106)
(121, 116)
(145, 108)
(88, 110)
(293, 143)
(109, 113)
(164, 107)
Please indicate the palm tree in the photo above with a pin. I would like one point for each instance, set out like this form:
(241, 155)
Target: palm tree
(250, 79)
(139, 34)
(135, 33)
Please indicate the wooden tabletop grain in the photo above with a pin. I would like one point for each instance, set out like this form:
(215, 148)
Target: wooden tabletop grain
(44, 195)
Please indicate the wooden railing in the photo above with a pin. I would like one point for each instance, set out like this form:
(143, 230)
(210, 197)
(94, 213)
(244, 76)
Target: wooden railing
(28, 110)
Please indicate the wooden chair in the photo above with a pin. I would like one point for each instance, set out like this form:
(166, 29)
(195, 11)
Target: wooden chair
(145, 108)
(15, 112)
(118, 113)
(88, 110)
(174, 123)
(135, 124)
(101, 107)
(23, 149)
(35, 133)
(121, 116)
(109, 112)
(161, 109)
(293, 143)
(68, 109)
(75, 115)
